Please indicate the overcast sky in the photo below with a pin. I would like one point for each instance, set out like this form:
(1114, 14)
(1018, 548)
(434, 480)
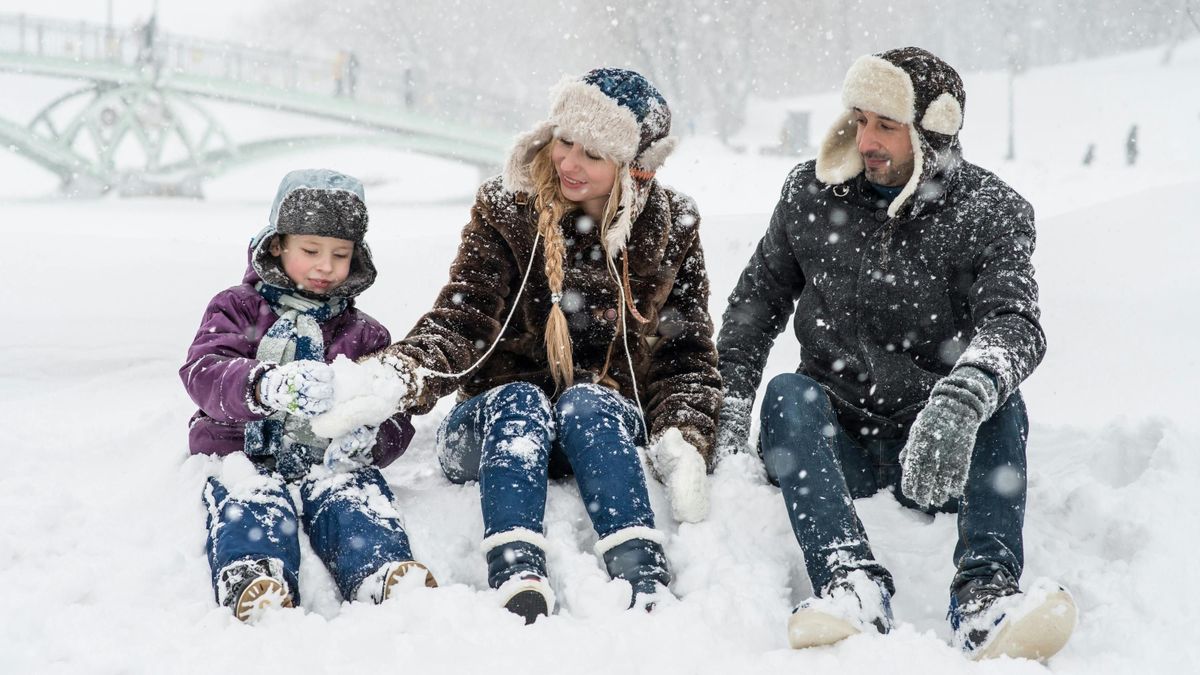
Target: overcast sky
(214, 19)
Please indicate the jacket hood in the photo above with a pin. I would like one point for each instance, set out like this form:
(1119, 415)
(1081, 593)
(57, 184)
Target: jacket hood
(318, 202)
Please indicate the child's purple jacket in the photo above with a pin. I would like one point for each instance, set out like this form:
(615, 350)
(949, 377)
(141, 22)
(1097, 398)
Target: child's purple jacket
(221, 369)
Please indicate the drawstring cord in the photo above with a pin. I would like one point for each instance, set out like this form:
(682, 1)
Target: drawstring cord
(625, 340)
(512, 310)
(626, 301)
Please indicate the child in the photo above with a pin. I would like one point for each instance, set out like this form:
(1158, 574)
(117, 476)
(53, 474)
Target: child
(258, 370)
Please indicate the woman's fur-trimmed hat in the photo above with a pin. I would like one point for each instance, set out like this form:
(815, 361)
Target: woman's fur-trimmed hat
(910, 86)
(616, 113)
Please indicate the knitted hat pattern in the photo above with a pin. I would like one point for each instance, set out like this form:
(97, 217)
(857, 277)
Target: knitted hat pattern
(616, 113)
(913, 87)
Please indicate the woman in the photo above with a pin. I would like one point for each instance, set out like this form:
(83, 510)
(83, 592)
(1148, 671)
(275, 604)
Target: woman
(575, 327)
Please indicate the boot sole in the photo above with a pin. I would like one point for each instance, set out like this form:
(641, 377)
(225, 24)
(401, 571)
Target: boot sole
(1038, 635)
(528, 604)
(262, 594)
(810, 628)
(399, 573)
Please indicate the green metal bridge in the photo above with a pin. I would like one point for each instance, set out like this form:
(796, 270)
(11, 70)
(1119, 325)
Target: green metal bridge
(138, 123)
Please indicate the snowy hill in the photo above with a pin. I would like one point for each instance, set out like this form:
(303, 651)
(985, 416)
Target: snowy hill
(102, 567)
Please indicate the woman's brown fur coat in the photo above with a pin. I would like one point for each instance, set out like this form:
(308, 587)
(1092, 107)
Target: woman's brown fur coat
(673, 355)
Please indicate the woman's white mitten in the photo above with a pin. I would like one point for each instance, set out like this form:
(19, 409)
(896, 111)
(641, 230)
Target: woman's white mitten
(684, 473)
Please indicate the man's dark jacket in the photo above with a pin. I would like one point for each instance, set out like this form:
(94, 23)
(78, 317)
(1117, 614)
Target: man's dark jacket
(885, 306)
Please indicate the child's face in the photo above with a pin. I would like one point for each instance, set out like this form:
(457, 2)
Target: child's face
(315, 264)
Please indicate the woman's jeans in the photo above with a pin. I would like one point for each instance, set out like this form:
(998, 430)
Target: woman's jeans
(350, 519)
(821, 470)
(512, 439)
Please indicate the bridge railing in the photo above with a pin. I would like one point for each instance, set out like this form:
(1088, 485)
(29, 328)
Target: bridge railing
(157, 54)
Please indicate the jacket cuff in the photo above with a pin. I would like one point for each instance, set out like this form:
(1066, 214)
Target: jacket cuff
(973, 386)
(251, 395)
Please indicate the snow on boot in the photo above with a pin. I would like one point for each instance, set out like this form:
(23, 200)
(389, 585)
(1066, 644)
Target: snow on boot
(635, 554)
(528, 595)
(851, 604)
(517, 570)
(381, 585)
(251, 587)
(991, 617)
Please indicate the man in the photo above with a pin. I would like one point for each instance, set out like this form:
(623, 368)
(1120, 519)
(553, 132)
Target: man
(916, 310)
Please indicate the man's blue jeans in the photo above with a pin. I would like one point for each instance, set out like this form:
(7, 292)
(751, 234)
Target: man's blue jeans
(512, 439)
(821, 469)
(349, 518)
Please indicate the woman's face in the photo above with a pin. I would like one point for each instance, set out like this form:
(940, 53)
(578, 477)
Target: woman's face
(583, 176)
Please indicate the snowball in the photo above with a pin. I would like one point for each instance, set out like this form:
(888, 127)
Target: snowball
(364, 393)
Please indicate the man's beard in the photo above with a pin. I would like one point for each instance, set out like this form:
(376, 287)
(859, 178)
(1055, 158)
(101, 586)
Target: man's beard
(892, 174)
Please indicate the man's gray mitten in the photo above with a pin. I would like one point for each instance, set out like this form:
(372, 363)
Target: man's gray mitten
(733, 426)
(937, 456)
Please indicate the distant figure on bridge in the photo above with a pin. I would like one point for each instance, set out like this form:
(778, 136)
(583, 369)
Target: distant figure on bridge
(257, 370)
(351, 73)
(345, 73)
(146, 39)
(339, 73)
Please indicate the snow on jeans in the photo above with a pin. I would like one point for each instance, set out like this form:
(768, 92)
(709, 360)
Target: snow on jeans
(512, 439)
(349, 517)
(821, 470)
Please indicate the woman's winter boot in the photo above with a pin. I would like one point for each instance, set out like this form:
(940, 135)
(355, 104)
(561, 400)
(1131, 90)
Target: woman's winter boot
(635, 554)
(517, 570)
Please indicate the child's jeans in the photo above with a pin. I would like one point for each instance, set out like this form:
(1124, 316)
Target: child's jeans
(350, 519)
(512, 439)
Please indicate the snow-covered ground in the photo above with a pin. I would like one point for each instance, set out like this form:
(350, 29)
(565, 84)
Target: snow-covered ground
(102, 567)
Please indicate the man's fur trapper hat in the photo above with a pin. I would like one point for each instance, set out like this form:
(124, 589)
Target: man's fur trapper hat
(616, 113)
(910, 86)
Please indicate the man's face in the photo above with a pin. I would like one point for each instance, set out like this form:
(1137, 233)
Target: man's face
(886, 148)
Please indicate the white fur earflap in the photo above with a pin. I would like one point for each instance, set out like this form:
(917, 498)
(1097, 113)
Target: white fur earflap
(653, 157)
(944, 115)
(881, 87)
(910, 188)
(618, 232)
(520, 157)
(838, 160)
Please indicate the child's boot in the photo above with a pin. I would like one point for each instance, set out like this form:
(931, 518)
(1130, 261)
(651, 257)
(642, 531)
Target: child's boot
(381, 585)
(251, 587)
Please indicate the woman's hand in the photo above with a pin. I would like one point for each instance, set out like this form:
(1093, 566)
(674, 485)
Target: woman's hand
(682, 470)
(367, 393)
